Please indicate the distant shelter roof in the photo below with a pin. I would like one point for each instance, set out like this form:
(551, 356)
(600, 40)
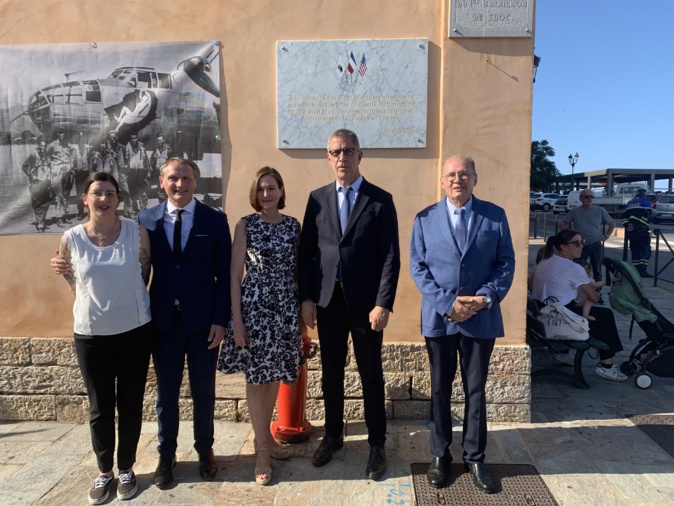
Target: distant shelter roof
(610, 177)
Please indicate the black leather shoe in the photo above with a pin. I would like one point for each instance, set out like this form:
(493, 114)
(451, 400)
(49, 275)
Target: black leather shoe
(482, 478)
(376, 464)
(163, 475)
(328, 446)
(207, 466)
(438, 471)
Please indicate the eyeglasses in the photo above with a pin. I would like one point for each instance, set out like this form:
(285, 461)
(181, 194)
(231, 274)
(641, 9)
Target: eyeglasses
(99, 194)
(588, 197)
(577, 244)
(347, 151)
(463, 176)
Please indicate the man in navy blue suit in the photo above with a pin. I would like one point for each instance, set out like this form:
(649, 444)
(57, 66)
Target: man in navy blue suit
(349, 261)
(462, 261)
(190, 302)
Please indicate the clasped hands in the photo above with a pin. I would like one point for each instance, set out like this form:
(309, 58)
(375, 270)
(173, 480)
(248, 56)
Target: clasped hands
(466, 306)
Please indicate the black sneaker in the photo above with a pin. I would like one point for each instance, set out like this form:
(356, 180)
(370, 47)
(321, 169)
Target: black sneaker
(101, 489)
(126, 486)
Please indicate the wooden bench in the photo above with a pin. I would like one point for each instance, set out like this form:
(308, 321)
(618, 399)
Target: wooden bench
(536, 339)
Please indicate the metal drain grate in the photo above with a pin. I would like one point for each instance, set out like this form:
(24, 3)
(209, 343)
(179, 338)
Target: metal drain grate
(516, 484)
(660, 428)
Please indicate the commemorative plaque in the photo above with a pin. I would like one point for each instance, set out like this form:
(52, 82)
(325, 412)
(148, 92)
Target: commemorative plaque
(491, 18)
(377, 88)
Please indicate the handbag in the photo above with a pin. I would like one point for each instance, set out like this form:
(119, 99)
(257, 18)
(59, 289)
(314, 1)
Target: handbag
(563, 324)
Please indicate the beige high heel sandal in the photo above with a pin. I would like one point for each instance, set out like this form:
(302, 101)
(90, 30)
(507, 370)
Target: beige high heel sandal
(262, 474)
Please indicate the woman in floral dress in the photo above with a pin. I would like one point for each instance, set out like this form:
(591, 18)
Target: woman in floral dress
(263, 338)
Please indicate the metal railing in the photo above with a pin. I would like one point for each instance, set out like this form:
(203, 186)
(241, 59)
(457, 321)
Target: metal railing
(542, 221)
(660, 235)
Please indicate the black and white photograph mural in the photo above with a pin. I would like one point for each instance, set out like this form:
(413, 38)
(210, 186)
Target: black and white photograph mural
(67, 110)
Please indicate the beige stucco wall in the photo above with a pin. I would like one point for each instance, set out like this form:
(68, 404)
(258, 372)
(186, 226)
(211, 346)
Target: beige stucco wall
(479, 104)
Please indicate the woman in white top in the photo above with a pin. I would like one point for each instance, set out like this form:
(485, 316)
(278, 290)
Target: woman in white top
(557, 277)
(109, 267)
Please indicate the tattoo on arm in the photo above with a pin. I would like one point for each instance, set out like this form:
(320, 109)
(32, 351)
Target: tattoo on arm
(64, 253)
(145, 264)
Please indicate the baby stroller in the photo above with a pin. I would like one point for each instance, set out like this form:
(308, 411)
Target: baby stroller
(654, 355)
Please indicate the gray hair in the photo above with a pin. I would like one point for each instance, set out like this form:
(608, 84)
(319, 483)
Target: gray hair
(344, 133)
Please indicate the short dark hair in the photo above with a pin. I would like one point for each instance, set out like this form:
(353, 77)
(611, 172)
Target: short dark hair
(343, 132)
(100, 176)
(266, 171)
(641, 192)
(180, 161)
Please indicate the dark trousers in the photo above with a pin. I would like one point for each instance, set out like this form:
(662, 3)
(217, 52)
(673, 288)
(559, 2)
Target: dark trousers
(474, 355)
(592, 253)
(334, 324)
(114, 369)
(640, 248)
(603, 328)
(169, 361)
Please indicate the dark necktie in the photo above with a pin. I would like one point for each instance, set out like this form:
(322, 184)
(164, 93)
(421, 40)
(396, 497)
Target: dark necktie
(460, 227)
(345, 211)
(177, 234)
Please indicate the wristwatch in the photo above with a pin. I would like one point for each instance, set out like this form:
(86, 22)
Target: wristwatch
(486, 299)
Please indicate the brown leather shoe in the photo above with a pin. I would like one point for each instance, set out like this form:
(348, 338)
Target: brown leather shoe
(323, 453)
(163, 475)
(207, 466)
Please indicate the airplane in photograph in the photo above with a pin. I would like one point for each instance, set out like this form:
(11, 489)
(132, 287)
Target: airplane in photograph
(134, 99)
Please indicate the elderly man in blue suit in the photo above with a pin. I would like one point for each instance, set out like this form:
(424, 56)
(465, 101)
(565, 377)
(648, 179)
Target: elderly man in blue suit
(190, 302)
(462, 261)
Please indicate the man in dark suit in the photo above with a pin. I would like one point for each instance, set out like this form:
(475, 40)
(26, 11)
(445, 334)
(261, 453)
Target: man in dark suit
(349, 261)
(190, 302)
(462, 261)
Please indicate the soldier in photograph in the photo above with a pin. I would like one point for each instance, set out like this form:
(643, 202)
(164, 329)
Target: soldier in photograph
(161, 153)
(80, 155)
(61, 176)
(38, 169)
(138, 173)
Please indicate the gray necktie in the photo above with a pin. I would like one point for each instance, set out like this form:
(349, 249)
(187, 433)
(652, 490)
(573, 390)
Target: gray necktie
(460, 227)
(345, 210)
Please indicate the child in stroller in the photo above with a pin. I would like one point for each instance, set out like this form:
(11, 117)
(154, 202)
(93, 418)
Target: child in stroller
(654, 355)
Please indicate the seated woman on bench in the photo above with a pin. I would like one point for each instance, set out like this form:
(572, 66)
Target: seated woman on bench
(557, 276)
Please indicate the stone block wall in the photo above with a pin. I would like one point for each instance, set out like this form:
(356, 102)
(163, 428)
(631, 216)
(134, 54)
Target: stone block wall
(40, 380)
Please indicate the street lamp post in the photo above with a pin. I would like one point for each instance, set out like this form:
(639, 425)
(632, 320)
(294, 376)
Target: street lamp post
(573, 160)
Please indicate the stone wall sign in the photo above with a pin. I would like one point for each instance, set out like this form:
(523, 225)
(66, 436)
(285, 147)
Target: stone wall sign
(491, 18)
(377, 88)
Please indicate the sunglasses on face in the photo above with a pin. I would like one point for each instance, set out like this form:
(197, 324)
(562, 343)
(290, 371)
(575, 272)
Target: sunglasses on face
(588, 197)
(577, 244)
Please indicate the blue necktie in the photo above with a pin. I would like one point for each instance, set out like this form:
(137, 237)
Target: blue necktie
(460, 227)
(345, 210)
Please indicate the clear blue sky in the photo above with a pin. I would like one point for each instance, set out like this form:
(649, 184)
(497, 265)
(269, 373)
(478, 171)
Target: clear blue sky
(605, 84)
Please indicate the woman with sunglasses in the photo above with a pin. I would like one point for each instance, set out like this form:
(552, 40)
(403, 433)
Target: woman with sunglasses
(558, 277)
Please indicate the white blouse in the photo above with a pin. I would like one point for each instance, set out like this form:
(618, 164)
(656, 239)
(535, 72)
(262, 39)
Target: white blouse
(110, 294)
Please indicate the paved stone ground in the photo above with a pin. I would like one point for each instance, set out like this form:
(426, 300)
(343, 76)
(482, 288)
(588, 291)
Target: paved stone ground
(581, 441)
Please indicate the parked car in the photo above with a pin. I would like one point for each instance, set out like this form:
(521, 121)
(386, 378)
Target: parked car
(532, 198)
(663, 208)
(544, 201)
(562, 205)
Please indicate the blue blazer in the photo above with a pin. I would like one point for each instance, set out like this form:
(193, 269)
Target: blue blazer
(442, 272)
(199, 279)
